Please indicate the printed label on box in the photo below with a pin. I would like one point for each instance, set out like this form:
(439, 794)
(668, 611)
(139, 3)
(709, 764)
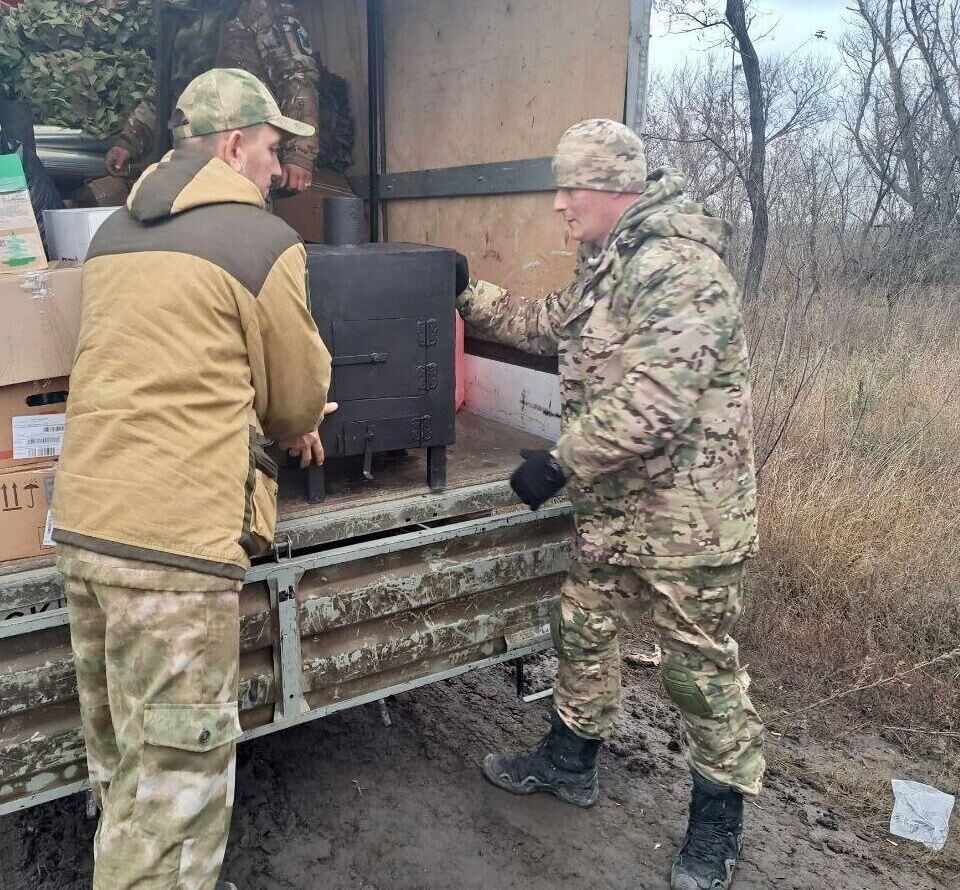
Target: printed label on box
(38, 435)
(48, 531)
(16, 211)
(19, 249)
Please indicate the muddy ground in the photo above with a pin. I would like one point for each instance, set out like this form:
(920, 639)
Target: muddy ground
(347, 803)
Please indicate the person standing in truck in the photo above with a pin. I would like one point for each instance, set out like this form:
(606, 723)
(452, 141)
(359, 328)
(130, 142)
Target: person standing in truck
(656, 455)
(264, 37)
(196, 339)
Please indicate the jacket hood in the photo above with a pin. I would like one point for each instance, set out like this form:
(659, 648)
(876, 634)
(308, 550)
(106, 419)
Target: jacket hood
(183, 180)
(663, 211)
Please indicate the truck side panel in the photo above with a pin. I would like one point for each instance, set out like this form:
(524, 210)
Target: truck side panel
(369, 619)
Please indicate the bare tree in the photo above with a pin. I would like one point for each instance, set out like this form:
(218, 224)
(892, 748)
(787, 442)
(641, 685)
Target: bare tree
(934, 26)
(699, 120)
(775, 98)
(877, 198)
(690, 124)
(903, 115)
(754, 173)
(884, 126)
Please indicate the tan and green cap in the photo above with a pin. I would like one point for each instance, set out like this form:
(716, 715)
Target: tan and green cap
(601, 155)
(224, 99)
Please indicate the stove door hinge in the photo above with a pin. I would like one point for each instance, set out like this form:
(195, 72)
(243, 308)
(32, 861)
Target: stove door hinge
(428, 331)
(429, 376)
(421, 430)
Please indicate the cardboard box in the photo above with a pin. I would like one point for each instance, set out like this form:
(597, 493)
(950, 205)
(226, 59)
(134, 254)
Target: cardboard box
(25, 522)
(31, 421)
(41, 322)
(69, 232)
(303, 212)
(108, 191)
(20, 245)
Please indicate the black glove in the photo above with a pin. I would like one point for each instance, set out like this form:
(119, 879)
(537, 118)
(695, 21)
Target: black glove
(538, 478)
(463, 273)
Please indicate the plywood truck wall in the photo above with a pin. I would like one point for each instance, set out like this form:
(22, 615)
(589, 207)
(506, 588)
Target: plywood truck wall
(481, 81)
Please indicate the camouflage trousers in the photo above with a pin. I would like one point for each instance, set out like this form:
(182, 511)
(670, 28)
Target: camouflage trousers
(157, 661)
(694, 611)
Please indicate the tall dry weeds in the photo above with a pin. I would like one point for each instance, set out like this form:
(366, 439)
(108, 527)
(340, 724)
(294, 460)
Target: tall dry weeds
(859, 573)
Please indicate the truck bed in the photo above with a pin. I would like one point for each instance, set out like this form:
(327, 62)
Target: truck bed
(384, 587)
(478, 467)
(485, 454)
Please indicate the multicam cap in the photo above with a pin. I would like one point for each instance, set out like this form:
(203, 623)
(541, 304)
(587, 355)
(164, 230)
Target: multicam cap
(224, 99)
(602, 155)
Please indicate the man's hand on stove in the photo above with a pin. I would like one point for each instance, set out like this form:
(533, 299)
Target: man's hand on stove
(308, 446)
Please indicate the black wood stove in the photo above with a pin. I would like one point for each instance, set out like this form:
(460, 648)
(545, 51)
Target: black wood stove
(387, 314)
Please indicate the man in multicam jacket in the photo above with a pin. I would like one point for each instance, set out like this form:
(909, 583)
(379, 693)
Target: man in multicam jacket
(263, 37)
(656, 455)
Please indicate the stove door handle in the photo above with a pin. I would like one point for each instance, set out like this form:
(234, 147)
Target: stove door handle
(372, 358)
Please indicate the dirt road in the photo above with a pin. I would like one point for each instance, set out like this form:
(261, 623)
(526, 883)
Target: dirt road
(347, 803)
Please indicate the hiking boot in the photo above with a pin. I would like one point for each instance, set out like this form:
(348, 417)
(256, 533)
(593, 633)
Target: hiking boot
(564, 765)
(713, 840)
(225, 885)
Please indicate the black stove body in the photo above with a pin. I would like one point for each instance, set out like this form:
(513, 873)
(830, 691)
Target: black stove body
(387, 314)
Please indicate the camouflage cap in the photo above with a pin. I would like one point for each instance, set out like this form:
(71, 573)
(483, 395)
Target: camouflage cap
(602, 155)
(224, 99)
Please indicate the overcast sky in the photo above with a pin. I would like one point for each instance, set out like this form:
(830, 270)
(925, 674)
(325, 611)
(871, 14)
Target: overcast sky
(793, 23)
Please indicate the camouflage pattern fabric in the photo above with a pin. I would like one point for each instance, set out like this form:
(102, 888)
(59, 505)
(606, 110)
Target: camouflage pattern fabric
(326, 105)
(602, 155)
(85, 65)
(157, 659)
(694, 611)
(228, 99)
(657, 438)
(263, 37)
(288, 62)
(195, 50)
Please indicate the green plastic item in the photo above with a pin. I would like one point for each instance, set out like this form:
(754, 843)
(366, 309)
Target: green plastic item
(12, 177)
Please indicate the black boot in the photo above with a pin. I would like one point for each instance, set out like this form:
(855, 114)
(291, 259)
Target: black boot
(564, 765)
(225, 885)
(713, 840)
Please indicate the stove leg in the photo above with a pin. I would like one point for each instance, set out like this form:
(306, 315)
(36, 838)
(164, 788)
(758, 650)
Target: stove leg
(437, 467)
(368, 454)
(316, 484)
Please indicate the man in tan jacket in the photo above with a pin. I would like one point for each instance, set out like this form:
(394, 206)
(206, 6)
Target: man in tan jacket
(196, 340)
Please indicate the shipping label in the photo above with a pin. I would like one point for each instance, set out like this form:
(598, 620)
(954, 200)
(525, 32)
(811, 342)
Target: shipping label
(36, 436)
(48, 531)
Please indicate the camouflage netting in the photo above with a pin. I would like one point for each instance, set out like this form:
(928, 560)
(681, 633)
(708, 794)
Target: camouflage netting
(79, 63)
(336, 130)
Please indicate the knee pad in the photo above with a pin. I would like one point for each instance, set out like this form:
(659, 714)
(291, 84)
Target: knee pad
(684, 691)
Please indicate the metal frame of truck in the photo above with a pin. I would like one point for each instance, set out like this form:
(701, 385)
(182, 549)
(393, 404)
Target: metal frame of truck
(366, 597)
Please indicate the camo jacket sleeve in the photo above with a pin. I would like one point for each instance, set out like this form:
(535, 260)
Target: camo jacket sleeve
(530, 325)
(676, 322)
(137, 135)
(287, 54)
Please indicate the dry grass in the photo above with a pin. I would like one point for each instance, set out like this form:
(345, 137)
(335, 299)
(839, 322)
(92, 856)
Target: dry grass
(859, 576)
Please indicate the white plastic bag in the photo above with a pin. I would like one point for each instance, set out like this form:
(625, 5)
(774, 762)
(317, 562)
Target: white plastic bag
(920, 813)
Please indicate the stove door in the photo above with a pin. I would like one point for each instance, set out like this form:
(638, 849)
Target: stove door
(377, 358)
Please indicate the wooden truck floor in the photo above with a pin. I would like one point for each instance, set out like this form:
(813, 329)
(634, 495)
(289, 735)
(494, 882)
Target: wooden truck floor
(486, 453)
